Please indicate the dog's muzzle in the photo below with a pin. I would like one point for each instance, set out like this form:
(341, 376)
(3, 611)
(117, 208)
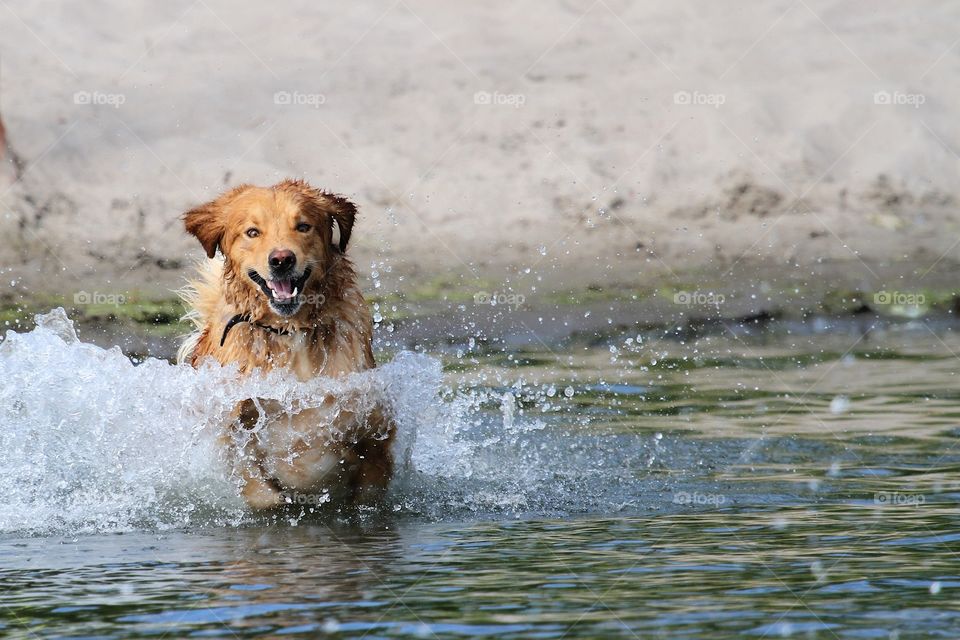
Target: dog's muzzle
(285, 293)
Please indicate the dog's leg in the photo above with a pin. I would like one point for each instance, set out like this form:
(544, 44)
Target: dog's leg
(376, 459)
(259, 491)
(374, 473)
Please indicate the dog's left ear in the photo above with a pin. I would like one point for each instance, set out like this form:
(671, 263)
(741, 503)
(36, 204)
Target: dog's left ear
(340, 210)
(343, 212)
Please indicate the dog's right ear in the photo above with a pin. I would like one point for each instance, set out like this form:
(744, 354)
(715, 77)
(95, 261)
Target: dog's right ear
(208, 221)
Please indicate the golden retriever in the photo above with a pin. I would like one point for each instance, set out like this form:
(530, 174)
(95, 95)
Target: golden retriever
(286, 295)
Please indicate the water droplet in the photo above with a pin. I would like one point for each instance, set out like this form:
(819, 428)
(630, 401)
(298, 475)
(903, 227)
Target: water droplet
(840, 404)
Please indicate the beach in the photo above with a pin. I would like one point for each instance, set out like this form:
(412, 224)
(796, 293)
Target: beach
(582, 145)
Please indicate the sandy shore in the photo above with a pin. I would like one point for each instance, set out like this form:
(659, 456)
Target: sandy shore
(530, 147)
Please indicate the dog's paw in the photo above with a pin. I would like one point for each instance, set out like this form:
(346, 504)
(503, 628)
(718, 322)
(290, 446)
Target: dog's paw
(261, 495)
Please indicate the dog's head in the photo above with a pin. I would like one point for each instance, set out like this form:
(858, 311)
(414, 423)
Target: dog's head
(277, 241)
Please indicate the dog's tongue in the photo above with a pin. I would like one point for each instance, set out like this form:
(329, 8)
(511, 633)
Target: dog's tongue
(282, 289)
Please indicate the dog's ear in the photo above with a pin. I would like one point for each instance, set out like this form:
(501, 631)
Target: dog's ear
(343, 212)
(207, 222)
(340, 210)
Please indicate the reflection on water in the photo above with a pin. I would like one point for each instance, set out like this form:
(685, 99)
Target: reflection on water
(776, 486)
(847, 570)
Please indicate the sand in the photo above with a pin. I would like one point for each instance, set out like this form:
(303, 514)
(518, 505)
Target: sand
(543, 145)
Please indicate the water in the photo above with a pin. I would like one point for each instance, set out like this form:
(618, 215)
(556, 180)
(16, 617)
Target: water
(799, 484)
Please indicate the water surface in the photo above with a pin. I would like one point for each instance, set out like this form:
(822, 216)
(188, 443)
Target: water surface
(784, 484)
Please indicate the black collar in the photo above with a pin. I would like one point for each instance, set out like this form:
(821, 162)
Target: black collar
(237, 319)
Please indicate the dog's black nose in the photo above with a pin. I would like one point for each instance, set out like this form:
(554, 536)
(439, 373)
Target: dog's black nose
(282, 259)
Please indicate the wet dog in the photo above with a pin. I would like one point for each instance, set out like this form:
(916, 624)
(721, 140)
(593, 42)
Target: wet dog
(285, 295)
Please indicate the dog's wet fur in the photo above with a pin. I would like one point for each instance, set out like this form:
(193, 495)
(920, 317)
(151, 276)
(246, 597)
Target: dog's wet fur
(299, 307)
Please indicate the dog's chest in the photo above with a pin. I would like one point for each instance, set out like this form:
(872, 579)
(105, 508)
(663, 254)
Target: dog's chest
(307, 358)
(302, 358)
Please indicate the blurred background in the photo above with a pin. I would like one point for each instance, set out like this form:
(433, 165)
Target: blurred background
(782, 157)
(681, 277)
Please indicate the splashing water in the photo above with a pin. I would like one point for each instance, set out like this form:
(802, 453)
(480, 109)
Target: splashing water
(90, 441)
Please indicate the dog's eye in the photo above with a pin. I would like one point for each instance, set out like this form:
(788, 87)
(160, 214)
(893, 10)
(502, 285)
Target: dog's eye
(253, 232)
(303, 227)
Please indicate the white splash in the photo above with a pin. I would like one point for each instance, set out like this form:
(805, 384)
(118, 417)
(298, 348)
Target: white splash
(91, 442)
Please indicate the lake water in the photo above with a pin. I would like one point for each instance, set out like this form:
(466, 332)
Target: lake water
(797, 482)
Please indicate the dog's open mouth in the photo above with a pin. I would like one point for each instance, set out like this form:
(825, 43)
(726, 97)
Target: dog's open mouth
(285, 294)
